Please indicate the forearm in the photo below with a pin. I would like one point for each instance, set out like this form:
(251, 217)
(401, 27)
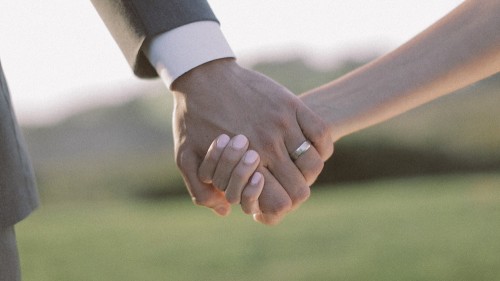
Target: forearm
(458, 50)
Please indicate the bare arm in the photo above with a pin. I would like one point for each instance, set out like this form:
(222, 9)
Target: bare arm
(458, 50)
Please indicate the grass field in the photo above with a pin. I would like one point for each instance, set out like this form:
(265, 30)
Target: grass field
(445, 228)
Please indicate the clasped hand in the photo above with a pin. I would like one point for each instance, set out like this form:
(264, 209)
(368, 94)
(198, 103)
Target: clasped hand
(222, 97)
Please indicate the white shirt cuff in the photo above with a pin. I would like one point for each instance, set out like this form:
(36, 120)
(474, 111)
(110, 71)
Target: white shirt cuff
(179, 50)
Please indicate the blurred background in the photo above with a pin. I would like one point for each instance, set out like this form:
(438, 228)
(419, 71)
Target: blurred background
(415, 198)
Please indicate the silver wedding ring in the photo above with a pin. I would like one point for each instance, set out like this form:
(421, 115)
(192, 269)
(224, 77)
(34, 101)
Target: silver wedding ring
(300, 150)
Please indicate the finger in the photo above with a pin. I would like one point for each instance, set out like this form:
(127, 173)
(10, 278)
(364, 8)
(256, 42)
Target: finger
(284, 169)
(309, 162)
(201, 193)
(209, 163)
(274, 201)
(240, 176)
(228, 160)
(316, 131)
(291, 179)
(268, 219)
(251, 193)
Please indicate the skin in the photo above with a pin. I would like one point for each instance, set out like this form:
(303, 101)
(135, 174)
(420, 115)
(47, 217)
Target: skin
(270, 117)
(244, 186)
(458, 50)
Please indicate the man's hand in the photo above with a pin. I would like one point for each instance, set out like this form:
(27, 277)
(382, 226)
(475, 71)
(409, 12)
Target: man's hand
(222, 97)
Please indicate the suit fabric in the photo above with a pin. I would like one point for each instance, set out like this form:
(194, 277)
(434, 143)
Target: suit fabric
(131, 23)
(9, 260)
(18, 196)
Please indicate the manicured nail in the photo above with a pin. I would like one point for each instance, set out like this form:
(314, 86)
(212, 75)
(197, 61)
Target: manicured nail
(239, 142)
(256, 178)
(222, 141)
(250, 157)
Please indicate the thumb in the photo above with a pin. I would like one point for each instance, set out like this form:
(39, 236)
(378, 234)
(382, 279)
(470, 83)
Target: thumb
(201, 193)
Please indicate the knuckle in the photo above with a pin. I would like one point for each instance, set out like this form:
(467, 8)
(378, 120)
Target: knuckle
(282, 122)
(323, 130)
(301, 195)
(327, 152)
(270, 148)
(318, 167)
(313, 170)
(321, 133)
(331, 149)
(279, 207)
(264, 133)
(269, 145)
(280, 118)
(291, 102)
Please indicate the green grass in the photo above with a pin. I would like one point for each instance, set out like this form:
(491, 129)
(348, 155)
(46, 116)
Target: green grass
(445, 228)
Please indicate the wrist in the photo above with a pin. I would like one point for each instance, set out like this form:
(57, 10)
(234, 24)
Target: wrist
(209, 72)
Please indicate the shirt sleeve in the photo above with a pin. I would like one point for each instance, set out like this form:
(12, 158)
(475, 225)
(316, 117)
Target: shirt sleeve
(134, 22)
(179, 50)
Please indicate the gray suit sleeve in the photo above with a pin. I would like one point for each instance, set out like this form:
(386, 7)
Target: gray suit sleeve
(131, 22)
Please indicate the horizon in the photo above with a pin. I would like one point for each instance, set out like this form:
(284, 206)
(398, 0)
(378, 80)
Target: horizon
(67, 72)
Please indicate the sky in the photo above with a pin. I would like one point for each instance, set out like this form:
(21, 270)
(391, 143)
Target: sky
(58, 56)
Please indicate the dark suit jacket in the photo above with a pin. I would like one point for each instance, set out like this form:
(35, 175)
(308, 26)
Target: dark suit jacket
(131, 22)
(18, 195)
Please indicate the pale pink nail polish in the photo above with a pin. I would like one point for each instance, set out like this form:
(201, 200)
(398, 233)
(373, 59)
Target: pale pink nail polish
(222, 141)
(239, 142)
(256, 178)
(250, 157)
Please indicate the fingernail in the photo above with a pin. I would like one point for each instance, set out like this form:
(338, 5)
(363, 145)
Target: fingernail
(239, 142)
(250, 157)
(256, 178)
(222, 141)
(207, 181)
(257, 217)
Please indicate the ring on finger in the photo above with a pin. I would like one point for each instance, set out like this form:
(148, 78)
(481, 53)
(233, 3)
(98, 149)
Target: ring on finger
(303, 148)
